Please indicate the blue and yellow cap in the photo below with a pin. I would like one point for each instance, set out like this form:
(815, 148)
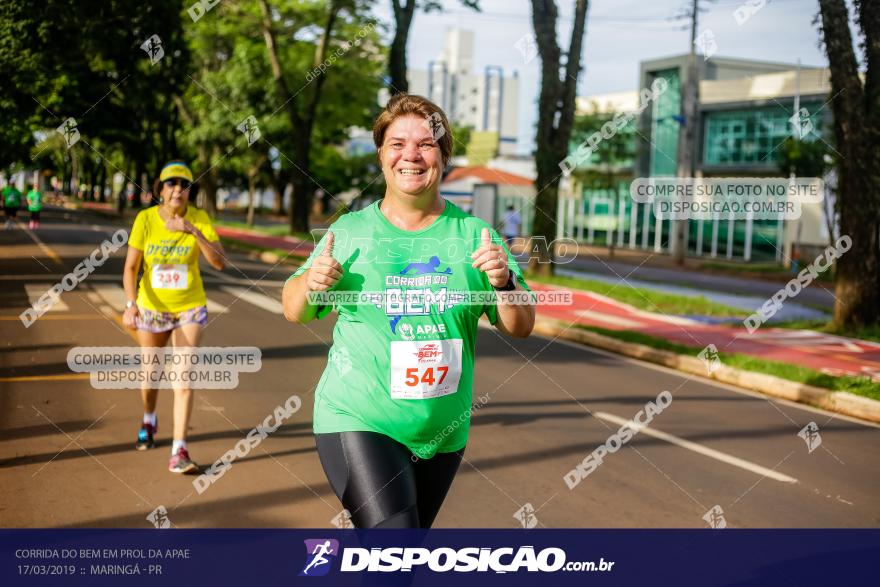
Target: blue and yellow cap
(176, 169)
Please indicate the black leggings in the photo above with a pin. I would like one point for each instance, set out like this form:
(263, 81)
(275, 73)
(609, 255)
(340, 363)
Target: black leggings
(381, 483)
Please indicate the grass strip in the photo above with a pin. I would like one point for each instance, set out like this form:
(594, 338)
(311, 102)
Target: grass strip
(856, 385)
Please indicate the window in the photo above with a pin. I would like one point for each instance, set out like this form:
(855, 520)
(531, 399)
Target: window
(749, 136)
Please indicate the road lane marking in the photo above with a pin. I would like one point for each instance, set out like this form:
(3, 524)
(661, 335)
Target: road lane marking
(56, 317)
(114, 295)
(693, 377)
(256, 298)
(216, 307)
(47, 250)
(697, 448)
(35, 291)
(118, 279)
(65, 377)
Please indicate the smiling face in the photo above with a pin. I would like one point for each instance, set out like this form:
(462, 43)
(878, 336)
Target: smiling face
(174, 195)
(411, 159)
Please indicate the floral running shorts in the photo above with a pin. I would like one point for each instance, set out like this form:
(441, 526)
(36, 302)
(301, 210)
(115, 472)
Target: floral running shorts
(164, 321)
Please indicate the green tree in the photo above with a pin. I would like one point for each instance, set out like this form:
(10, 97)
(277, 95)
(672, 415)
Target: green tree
(345, 31)
(856, 107)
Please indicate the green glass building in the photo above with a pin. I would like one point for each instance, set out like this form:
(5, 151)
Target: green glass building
(745, 111)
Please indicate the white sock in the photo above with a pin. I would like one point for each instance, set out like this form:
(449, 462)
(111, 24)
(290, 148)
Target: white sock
(177, 444)
(150, 419)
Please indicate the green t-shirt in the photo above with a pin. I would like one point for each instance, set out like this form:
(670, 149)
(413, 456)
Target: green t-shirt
(402, 364)
(11, 197)
(35, 201)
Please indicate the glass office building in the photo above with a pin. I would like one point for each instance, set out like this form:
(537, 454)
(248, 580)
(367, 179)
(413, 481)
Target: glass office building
(744, 116)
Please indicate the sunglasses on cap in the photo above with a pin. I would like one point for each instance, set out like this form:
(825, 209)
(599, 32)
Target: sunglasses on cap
(183, 183)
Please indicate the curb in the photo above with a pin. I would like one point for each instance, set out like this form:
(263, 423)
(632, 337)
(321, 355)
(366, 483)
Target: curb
(841, 402)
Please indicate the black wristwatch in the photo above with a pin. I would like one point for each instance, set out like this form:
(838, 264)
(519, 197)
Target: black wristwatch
(511, 284)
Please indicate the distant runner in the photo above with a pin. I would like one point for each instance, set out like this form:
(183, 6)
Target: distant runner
(170, 303)
(35, 204)
(11, 204)
(511, 224)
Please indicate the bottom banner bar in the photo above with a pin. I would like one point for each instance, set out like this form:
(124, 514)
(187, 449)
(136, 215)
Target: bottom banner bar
(468, 557)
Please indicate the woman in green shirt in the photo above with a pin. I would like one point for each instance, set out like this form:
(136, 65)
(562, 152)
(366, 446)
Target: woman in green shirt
(35, 204)
(11, 204)
(392, 409)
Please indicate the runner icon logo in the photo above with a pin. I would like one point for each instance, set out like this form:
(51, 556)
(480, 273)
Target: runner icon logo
(320, 553)
(342, 520)
(159, 517)
(526, 516)
(810, 434)
(709, 356)
(715, 518)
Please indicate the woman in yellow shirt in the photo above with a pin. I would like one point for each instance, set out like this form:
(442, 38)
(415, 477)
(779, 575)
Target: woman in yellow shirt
(169, 302)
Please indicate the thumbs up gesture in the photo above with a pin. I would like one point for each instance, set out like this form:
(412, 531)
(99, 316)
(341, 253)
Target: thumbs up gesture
(325, 271)
(491, 259)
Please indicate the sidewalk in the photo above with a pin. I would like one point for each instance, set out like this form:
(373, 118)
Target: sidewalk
(829, 354)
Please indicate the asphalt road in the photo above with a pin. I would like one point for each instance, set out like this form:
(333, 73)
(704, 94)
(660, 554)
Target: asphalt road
(67, 456)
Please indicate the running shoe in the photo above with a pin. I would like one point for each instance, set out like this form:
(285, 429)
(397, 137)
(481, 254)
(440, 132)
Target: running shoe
(145, 437)
(181, 463)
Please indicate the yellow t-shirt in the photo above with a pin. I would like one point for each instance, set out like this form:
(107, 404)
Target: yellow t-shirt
(171, 281)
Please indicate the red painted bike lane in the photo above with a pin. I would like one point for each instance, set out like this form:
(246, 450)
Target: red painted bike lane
(834, 355)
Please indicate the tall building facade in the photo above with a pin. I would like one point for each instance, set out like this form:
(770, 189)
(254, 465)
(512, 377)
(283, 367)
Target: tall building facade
(486, 101)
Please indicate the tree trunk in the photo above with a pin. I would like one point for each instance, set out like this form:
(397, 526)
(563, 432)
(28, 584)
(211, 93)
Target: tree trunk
(857, 132)
(556, 104)
(102, 182)
(279, 182)
(301, 201)
(123, 189)
(301, 109)
(139, 170)
(403, 16)
(74, 173)
(208, 182)
(252, 196)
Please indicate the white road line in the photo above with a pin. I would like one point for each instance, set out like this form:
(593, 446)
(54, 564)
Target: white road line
(216, 307)
(607, 319)
(696, 378)
(36, 290)
(113, 295)
(47, 250)
(698, 448)
(255, 298)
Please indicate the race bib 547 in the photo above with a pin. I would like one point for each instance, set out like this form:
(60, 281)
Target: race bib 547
(425, 369)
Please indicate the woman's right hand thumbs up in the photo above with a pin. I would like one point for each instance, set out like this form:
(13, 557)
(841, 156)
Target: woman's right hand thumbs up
(325, 271)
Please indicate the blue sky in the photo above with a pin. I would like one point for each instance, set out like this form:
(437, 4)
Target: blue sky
(620, 34)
